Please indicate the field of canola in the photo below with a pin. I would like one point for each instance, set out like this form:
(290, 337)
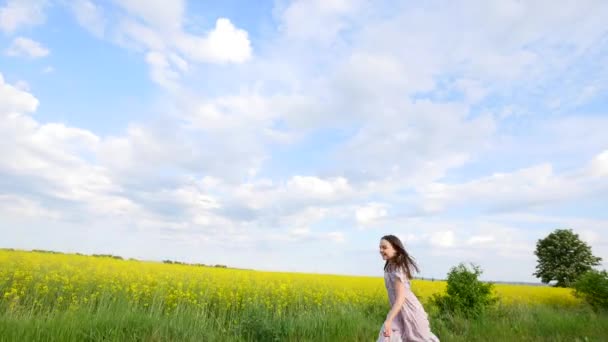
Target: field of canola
(34, 284)
(42, 281)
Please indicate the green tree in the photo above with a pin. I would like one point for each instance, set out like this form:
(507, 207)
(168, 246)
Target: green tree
(563, 257)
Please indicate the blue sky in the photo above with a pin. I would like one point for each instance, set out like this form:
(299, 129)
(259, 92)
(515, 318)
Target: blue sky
(292, 135)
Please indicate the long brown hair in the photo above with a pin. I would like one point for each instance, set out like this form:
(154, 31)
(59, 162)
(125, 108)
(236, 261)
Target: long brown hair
(402, 259)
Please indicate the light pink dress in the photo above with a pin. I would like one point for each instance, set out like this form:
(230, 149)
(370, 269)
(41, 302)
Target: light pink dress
(411, 323)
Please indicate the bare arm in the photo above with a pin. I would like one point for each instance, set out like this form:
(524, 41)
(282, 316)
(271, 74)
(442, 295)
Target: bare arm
(400, 294)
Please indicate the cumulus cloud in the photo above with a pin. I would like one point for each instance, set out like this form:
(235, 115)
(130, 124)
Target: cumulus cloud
(336, 236)
(47, 162)
(318, 188)
(158, 29)
(370, 213)
(11, 205)
(162, 68)
(15, 101)
(225, 43)
(442, 239)
(157, 13)
(16, 14)
(49, 171)
(533, 186)
(90, 16)
(317, 20)
(64, 173)
(26, 47)
(599, 165)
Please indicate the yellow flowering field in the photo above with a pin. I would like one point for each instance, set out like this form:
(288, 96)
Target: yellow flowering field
(45, 281)
(68, 297)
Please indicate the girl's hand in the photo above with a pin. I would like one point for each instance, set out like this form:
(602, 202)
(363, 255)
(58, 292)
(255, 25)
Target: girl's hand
(387, 328)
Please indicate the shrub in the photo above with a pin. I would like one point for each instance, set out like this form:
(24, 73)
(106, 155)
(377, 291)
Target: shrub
(465, 293)
(592, 286)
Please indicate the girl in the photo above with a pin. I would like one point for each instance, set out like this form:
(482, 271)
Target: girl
(407, 320)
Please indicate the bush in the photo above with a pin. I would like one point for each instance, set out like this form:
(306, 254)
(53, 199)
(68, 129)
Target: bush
(465, 294)
(592, 286)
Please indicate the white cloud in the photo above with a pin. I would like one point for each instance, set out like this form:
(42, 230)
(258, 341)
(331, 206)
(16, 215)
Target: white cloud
(162, 70)
(370, 213)
(590, 229)
(12, 205)
(304, 217)
(315, 187)
(336, 236)
(317, 20)
(293, 202)
(480, 239)
(119, 153)
(14, 102)
(48, 161)
(590, 236)
(50, 171)
(443, 239)
(158, 30)
(157, 13)
(133, 34)
(414, 143)
(599, 165)
(473, 90)
(380, 75)
(242, 111)
(26, 47)
(463, 239)
(89, 16)
(524, 188)
(21, 13)
(297, 236)
(169, 52)
(225, 43)
(165, 70)
(518, 45)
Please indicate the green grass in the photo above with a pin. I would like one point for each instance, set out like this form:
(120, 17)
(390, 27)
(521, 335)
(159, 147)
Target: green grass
(114, 324)
(118, 322)
(526, 323)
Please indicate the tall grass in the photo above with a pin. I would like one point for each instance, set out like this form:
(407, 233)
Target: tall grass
(526, 323)
(117, 322)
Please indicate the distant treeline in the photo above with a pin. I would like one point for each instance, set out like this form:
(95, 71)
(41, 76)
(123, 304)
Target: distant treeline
(196, 264)
(116, 257)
